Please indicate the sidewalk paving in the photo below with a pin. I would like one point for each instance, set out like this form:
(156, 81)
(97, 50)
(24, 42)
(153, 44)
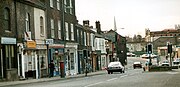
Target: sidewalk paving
(9, 83)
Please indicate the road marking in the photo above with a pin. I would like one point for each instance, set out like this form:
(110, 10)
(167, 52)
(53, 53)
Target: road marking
(172, 73)
(112, 79)
(93, 84)
(124, 75)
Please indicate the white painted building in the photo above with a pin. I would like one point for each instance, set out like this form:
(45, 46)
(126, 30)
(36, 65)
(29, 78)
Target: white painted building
(32, 56)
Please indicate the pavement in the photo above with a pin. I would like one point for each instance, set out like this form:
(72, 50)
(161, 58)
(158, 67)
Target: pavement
(28, 81)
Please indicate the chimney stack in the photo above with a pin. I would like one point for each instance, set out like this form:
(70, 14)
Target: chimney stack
(98, 27)
(86, 23)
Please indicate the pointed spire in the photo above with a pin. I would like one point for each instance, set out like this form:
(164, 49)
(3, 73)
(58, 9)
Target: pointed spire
(115, 28)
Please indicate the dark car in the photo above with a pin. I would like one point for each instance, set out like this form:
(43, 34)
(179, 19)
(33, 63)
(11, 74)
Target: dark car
(137, 65)
(115, 67)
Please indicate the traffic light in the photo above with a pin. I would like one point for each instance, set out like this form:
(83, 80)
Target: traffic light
(146, 49)
(149, 48)
(169, 48)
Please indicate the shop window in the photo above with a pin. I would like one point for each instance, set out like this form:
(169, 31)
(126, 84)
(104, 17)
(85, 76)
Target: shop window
(72, 60)
(10, 57)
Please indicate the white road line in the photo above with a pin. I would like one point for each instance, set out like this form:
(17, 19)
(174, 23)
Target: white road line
(111, 79)
(133, 73)
(93, 84)
(124, 75)
(172, 73)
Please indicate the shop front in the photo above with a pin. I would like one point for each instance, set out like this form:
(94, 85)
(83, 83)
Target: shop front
(8, 59)
(28, 60)
(71, 64)
(56, 53)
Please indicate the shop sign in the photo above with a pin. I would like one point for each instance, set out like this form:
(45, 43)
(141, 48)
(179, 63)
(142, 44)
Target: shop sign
(7, 40)
(40, 46)
(31, 44)
(49, 41)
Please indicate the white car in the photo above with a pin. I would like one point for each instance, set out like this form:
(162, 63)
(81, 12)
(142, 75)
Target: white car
(115, 67)
(165, 63)
(176, 62)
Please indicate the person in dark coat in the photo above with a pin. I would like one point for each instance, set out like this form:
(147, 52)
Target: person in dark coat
(51, 67)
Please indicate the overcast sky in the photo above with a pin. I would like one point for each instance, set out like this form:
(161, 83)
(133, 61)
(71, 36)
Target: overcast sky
(132, 15)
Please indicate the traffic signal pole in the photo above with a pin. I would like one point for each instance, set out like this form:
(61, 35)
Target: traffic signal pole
(149, 51)
(169, 46)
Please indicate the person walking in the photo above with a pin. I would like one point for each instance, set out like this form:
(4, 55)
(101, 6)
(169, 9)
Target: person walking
(51, 67)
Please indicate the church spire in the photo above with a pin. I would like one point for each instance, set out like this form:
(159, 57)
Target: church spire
(115, 28)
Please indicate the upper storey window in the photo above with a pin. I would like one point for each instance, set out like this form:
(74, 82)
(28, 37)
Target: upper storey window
(6, 19)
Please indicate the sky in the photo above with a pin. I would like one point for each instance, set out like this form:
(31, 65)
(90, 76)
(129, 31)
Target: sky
(132, 16)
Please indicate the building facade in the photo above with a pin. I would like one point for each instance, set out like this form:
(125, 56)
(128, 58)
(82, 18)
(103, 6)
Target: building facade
(8, 56)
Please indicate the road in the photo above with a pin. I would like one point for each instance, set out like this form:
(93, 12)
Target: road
(131, 78)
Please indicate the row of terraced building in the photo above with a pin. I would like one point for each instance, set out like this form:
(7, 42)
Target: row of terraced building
(34, 32)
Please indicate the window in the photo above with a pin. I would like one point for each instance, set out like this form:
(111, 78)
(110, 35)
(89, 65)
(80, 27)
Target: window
(67, 31)
(88, 39)
(85, 38)
(7, 19)
(81, 32)
(58, 5)
(70, 6)
(51, 3)
(65, 4)
(10, 57)
(27, 22)
(72, 32)
(59, 29)
(78, 36)
(42, 26)
(52, 28)
(93, 40)
(72, 61)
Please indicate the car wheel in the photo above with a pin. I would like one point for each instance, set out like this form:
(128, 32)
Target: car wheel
(108, 72)
(111, 72)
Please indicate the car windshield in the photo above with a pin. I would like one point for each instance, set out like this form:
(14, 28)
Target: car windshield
(137, 62)
(114, 64)
(165, 61)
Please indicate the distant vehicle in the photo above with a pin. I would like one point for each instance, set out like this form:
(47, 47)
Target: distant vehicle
(137, 65)
(146, 56)
(115, 67)
(130, 55)
(165, 63)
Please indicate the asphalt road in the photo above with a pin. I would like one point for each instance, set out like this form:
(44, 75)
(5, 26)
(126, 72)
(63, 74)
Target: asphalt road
(131, 78)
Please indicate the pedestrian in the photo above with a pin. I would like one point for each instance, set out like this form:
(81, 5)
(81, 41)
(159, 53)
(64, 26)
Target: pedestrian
(51, 67)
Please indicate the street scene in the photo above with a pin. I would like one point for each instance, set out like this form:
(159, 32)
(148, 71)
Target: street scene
(89, 43)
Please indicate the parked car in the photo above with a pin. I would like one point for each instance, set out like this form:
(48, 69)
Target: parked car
(165, 63)
(115, 67)
(176, 62)
(137, 65)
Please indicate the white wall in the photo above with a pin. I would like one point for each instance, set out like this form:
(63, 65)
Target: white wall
(37, 14)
